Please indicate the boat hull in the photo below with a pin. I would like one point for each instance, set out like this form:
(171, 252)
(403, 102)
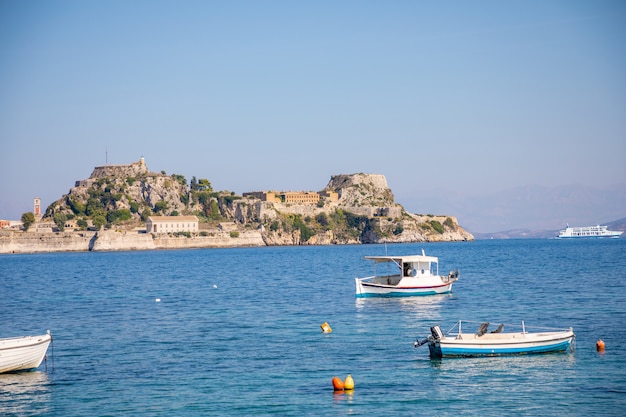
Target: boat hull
(504, 344)
(610, 236)
(368, 290)
(23, 353)
(405, 276)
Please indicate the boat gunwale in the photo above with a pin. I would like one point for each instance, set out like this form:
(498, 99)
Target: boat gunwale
(45, 338)
(541, 338)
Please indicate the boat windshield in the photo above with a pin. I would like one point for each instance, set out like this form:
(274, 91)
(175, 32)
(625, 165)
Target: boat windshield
(422, 268)
(406, 265)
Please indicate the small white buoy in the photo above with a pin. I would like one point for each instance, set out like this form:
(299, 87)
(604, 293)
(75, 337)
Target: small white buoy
(214, 286)
(158, 300)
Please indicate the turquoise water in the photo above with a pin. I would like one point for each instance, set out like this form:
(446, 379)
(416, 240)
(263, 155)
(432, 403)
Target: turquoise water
(237, 332)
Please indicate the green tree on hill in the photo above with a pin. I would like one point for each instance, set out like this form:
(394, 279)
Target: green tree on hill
(59, 220)
(204, 185)
(160, 206)
(28, 219)
(180, 179)
(145, 214)
(82, 224)
(437, 226)
(98, 221)
(75, 205)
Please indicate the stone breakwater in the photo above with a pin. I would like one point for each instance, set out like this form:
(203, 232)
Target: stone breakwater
(34, 242)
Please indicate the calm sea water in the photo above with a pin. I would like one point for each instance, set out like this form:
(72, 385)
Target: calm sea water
(237, 332)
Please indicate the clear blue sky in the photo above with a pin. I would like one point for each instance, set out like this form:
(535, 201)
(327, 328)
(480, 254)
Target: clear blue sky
(461, 97)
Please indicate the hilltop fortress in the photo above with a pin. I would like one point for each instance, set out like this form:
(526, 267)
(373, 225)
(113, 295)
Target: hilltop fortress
(111, 171)
(115, 209)
(362, 195)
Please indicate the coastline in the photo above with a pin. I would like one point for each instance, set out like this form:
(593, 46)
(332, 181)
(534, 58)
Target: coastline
(110, 240)
(16, 242)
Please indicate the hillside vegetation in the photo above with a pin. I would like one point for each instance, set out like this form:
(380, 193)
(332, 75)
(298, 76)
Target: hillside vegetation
(123, 196)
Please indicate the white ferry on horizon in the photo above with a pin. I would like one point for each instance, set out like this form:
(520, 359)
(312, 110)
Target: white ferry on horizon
(588, 231)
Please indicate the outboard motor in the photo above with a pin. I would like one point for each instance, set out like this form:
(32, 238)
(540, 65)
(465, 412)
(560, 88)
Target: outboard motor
(435, 334)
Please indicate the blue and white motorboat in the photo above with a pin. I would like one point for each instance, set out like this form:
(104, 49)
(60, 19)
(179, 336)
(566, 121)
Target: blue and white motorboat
(483, 342)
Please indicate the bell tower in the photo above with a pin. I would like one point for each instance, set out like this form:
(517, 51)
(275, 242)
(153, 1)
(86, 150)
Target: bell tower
(37, 208)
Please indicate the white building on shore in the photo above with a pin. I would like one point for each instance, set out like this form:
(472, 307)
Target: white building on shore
(171, 224)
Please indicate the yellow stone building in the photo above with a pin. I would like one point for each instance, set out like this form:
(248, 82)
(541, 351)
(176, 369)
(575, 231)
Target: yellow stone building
(292, 197)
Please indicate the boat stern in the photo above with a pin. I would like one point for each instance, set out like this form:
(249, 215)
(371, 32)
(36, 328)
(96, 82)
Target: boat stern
(453, 276)
(434, 348)
(433, 341)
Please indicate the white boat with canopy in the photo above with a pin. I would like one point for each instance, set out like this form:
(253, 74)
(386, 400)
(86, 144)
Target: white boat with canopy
(404, 276)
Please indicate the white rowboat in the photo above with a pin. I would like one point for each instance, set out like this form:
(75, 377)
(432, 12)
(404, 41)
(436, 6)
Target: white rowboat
(23, 353)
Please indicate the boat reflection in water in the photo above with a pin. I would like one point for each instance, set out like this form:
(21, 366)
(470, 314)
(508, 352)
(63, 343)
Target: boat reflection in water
(424, 306)
(25, 393)
(410, 312)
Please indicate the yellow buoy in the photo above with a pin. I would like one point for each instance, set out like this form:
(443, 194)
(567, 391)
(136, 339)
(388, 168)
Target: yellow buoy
(348, 384)
(326, 328)
(600, 345)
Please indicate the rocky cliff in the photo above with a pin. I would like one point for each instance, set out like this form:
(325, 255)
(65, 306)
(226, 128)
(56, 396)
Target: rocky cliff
(107, 210)
(116, 188)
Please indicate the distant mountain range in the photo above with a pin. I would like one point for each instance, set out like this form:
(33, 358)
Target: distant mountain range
(529, 211)
(617, 225)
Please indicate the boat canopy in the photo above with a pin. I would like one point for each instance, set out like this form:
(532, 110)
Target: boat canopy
(403, 259)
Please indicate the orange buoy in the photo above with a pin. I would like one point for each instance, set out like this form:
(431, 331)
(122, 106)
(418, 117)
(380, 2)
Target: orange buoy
(337, 384)
(600, 345)
(326, 328)
(348, 384)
